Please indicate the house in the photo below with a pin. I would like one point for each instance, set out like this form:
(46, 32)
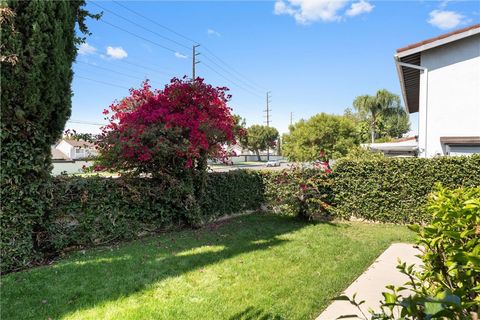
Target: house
(440, 79)
(76, 149)
(59, 156)
(71, 156)
(404, 147)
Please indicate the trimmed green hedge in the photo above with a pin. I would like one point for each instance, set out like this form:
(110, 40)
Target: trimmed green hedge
(395, 189)
(231, 192)
(301, 192)
(95, 210)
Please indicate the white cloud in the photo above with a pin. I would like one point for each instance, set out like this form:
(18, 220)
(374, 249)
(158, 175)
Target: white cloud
(116, 53)
(180, 56)
(212, 32)
(443, 3)
(86, 49)
(308, 11)
(359, 8)
(446, 19)
(282, 8)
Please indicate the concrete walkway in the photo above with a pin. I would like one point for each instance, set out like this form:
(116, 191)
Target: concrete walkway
(370, 285)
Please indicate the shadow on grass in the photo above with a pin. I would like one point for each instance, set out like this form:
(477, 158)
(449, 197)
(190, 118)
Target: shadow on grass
(251, 313)
(80, 283)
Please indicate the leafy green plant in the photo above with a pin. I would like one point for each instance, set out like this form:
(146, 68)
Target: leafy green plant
(447, 284)
(259, 138)
(324, 133)
(90, 211)
(303, 192)
(231, 192)
(39, 45)
(382, 108)
(452, 245)
(358, 153)
(395, 190)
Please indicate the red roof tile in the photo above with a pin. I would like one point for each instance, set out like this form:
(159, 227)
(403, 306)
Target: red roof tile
(446, 35)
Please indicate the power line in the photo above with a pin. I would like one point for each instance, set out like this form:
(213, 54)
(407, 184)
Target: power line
(232, 74)
(155, 22)
(102, 82)
(150, 68)
(209, 51)
(138, 78)
(111, 70)
(189, 39)
(221, 75)
(140, 37)
(140, 26)
(146, 68)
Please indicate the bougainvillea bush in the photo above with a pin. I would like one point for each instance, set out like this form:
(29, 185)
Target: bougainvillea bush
(169, 131)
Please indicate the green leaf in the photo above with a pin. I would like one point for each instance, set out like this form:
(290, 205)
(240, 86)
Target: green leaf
(433, 307)
(342, 298)
(449, 298)
(389, 298)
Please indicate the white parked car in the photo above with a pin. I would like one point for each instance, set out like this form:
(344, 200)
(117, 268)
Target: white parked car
(273, 163)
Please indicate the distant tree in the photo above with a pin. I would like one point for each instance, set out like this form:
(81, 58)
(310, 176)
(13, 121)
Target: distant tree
(394, 125)
(240, 127)
(361, 153)
(259, 138)
(322, 134)
(380, 107)
(72, 134)
(362, 124)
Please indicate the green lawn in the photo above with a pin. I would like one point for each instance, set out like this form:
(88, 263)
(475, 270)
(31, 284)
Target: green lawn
(250, 267)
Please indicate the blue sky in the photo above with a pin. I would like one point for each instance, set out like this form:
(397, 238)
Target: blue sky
(313, 55)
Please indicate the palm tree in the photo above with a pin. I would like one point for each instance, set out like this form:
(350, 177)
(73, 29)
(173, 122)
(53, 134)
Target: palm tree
(383, 103)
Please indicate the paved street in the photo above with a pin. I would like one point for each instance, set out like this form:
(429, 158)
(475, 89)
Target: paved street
(248, 165)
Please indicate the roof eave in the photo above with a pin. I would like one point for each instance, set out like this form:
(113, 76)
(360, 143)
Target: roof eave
(403, 52)
(396, 58)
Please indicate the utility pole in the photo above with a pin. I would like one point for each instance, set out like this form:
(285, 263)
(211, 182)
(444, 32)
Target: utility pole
(291, 118)
(267, 110)
(194, 60)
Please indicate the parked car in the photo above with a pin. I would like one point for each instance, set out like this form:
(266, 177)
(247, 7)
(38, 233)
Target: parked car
(273, 163)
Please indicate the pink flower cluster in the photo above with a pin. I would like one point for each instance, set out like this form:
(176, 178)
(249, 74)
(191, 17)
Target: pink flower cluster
(188, 119)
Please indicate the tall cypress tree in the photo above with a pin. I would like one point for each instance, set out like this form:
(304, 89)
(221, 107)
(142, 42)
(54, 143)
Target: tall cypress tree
(38, 45)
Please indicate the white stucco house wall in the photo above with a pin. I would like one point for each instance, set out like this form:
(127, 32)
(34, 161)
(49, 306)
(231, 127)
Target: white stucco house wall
(76, 149)
(440, 79)
(70, 156)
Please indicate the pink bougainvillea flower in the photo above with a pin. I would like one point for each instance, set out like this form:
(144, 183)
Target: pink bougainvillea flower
(186, 120)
